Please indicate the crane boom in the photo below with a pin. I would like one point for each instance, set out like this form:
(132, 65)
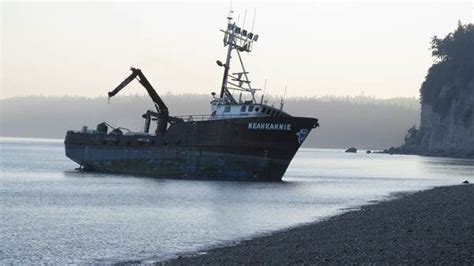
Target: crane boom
(161, 108)
(159, 104)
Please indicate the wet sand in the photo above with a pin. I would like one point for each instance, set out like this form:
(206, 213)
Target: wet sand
(432, 226)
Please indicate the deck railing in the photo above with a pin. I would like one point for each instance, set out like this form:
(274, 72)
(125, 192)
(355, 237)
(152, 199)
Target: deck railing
(191, 118)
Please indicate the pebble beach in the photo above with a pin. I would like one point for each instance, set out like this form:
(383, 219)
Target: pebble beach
(434, 226)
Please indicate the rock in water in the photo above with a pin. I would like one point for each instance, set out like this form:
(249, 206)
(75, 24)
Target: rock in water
(352, 150)
(465, 182)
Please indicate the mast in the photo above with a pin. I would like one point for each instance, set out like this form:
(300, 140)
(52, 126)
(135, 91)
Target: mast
(230, 27)
(241, 40)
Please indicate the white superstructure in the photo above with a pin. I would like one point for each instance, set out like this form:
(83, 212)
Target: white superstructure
(223, 110)
(225, 106)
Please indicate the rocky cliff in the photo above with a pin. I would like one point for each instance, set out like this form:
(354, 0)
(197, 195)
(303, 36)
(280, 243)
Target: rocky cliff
(447, 100)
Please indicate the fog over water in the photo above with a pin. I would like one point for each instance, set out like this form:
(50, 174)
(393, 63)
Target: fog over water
(361, 122)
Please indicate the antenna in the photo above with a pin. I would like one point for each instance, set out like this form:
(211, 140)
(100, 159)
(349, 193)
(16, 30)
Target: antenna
(245, 15)
(265, 86)
(264, 89)
(254, 15)
(229, 17)
(266, 100)
(282, 102)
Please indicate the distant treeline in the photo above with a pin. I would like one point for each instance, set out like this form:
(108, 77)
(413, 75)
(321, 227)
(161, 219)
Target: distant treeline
(362, 122)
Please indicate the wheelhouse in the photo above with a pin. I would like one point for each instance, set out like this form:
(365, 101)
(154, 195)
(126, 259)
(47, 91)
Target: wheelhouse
(246, 109)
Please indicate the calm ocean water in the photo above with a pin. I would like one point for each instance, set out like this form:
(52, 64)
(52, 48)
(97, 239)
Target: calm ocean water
(50, 213)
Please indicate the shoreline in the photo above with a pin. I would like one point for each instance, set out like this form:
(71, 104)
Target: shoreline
(454, 154)
(430, 226)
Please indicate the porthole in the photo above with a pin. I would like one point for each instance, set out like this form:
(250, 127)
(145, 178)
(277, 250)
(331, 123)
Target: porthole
(257, 109)
(250, 108)
(264, 109)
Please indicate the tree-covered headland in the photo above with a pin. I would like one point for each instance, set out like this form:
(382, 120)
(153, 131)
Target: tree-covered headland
(447, 99)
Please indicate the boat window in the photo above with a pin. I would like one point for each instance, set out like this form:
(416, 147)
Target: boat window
(257, 109)
(242, 109)
(264, 109)
(273, 113)
(227, 109)
(268, 111)
(250, 108)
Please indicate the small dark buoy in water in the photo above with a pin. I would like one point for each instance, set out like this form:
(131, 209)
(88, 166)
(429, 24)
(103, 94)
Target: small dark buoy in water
(352, 150)
(465, 182)
(368, 152)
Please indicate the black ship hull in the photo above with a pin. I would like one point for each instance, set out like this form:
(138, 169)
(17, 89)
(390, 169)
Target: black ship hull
(241, 149)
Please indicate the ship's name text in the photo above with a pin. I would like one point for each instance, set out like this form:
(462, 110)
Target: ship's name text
(270, 126)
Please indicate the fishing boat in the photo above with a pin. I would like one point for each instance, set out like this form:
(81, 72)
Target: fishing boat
(241, 139)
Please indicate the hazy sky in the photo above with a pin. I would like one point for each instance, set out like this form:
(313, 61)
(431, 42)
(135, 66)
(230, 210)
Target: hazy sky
(321, 48)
